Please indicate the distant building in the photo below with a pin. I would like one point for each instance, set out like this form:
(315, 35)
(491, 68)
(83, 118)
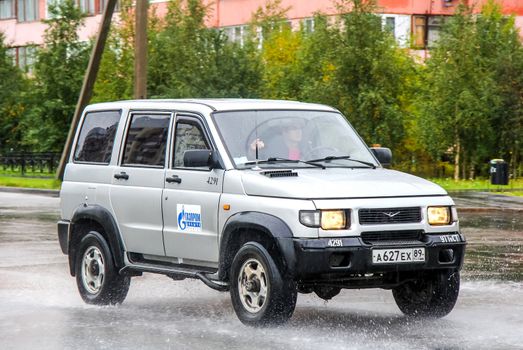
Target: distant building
(414, 22)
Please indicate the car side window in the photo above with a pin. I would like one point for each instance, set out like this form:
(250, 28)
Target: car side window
(96, 139)
(189, 135)
(146, 140)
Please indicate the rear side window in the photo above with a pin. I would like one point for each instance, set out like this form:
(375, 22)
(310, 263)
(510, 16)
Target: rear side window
(147, 140)
(95, 143)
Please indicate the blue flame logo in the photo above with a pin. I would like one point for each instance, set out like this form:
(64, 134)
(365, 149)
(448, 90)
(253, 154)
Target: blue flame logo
(181, 221)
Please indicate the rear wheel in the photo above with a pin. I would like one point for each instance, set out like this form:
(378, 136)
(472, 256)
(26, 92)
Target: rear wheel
(259, 294)
(97, 278)
(432, 296)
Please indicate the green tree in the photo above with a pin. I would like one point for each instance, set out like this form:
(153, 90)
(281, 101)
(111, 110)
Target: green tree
(472, 100)
(115, 76)
(372, 75)
(187, 59)
(58, 75)
(13, 86)
(354, 65)
(501, 46)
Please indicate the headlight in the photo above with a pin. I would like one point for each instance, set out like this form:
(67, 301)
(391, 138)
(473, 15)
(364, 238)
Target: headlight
(438, 215)
(326, 219)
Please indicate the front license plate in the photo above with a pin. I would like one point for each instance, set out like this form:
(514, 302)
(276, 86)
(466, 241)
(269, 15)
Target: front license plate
(394, 256)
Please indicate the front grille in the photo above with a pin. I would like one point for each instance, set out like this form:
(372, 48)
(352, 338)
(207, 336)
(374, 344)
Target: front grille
(389, 215)
(388, 236)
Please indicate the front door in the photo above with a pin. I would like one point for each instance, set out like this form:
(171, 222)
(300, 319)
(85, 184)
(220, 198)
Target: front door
(191, 197)
(136, 191)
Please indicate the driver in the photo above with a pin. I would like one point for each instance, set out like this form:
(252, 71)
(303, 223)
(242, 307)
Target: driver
(287, 146)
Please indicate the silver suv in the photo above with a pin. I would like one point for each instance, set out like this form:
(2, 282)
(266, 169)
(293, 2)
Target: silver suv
(261, 198)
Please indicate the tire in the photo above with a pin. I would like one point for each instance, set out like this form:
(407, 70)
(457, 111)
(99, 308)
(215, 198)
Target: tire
(271, 299)
(433, 296)
(97, 278)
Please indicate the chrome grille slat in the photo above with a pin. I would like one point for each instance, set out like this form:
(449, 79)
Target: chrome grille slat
(373, 216)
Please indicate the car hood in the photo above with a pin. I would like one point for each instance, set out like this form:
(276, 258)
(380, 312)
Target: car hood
(319, 183)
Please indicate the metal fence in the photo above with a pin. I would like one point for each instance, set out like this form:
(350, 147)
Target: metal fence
(30, 162)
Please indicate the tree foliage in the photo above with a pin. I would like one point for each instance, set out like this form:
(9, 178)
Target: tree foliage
(472, 101)
(187, 59)
(58, 76)
(13, 86)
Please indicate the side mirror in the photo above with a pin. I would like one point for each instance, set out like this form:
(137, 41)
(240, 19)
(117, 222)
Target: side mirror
(383, 155)
(198, 158)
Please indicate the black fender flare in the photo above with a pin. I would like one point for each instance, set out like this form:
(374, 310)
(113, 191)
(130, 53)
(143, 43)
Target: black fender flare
(270, 225)
(111, 233)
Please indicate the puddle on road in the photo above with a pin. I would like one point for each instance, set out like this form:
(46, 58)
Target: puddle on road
(495, 245)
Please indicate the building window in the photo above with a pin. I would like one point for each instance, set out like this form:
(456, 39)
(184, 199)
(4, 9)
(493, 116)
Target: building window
(7, 9)
(100, 5)
(427, 30)
(435, 26)
(87, 6)
(390, 24)
(27, 10)
(11, 52)
(26, 58)
(308, 25)
(237, 34)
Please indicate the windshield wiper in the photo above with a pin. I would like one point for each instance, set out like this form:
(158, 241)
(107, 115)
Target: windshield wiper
(284, 160)
(330, 158)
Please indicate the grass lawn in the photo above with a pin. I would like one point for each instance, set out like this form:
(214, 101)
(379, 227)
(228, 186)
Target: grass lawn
(29, 182)
(480, 184)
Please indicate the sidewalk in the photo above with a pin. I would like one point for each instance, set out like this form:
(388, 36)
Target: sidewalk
(472, 201)
(38, 191)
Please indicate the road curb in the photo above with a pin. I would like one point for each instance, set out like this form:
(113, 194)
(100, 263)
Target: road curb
(40, 191)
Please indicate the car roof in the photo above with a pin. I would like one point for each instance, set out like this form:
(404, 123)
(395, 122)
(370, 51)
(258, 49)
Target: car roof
(211, 105)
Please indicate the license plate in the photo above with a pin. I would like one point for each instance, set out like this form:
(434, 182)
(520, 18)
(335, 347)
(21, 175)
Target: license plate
(394, 256)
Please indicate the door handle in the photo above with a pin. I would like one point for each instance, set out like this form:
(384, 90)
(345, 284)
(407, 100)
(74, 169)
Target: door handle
(121, 176)
(174, 178)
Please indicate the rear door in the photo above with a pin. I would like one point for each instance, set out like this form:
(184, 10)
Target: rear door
(137, 183)
(191, 198)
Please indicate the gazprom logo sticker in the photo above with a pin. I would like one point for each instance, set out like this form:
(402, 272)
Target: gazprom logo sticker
(189, 217)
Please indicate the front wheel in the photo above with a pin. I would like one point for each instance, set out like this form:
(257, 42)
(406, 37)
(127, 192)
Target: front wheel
(433, 295)
(97, 278)
(259, 294)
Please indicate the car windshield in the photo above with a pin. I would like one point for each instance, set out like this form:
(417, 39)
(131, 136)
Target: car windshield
(287, 138)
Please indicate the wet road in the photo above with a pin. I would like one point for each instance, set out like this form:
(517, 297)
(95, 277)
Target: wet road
(41, 309)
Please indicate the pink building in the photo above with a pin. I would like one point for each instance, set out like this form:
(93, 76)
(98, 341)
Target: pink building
(414, 22)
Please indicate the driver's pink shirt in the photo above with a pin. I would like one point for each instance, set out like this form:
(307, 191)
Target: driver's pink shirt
(294, 154)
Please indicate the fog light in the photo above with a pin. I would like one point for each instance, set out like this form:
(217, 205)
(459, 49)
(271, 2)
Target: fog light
(438, 215)
(446, 256)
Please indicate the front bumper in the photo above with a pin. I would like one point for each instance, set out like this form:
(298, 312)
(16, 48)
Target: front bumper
(318, 259)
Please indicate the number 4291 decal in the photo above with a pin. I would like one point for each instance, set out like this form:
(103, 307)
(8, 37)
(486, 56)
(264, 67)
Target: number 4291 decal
(212, 180)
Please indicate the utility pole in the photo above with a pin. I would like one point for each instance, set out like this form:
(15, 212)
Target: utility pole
(140, 50)
(88, 84)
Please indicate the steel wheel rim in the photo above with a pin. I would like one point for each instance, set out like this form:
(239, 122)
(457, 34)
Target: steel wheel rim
(253, 285)
(93, 270)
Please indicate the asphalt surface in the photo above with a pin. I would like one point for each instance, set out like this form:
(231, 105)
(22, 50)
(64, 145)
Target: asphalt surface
(40, 307)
